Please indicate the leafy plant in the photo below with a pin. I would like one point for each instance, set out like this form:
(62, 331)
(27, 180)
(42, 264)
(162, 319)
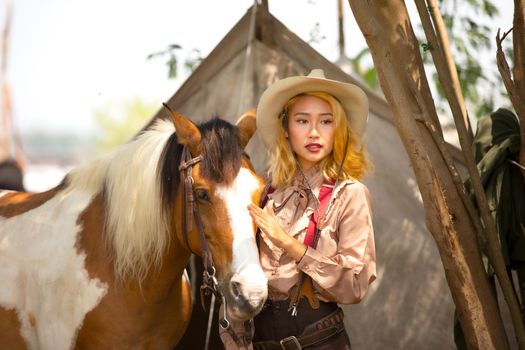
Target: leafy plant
(191, 62)
(172, 58)
(316, 35)
(470, 38)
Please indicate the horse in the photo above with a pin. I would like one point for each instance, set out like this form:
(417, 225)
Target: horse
(98, 261)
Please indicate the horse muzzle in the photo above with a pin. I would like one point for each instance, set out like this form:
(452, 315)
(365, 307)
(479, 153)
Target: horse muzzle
(246, 294)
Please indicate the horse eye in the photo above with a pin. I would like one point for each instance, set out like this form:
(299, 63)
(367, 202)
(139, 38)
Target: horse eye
(202, 195)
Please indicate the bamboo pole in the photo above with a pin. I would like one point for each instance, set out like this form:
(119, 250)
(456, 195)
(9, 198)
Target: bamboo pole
(340, 21)
(513, 91)
(454, 89)
(445, 66)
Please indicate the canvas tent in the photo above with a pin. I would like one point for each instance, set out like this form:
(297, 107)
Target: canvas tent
(409, 306)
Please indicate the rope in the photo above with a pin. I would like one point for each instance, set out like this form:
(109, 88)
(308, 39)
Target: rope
(210, 318)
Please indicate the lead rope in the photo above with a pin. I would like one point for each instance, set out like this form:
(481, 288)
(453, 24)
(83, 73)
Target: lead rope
(210, 318)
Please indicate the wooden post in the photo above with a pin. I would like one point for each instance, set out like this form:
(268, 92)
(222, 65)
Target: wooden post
(6, 106)
(340, 21)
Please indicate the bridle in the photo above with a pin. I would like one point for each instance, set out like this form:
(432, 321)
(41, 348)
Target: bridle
(190, 211)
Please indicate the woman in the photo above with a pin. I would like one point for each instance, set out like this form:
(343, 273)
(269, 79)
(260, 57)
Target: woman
(316, 239)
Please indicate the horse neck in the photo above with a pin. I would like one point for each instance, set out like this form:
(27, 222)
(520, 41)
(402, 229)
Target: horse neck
(98, 262)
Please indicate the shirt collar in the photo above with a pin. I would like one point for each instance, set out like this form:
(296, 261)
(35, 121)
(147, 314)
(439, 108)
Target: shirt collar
(313, 178)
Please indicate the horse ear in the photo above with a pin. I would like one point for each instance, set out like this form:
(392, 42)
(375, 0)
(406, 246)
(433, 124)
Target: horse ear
(187, 133)
(247, 127)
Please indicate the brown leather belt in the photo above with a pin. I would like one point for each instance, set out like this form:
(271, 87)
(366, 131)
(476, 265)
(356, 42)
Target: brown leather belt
(317, 332)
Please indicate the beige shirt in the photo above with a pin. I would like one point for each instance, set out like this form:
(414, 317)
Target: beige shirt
(343, 263)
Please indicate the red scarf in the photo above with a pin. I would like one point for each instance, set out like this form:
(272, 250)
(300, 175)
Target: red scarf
(324, 197)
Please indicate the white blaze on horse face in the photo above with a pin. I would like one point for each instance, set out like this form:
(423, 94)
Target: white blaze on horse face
(43, 276)
(245, 262)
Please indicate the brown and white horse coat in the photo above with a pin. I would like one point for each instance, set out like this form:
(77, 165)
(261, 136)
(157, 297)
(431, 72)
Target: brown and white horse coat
(98, 261)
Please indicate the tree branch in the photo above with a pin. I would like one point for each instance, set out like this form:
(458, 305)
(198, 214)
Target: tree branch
(389, 34)
(519, 49)
(444, 62)
(448, 76)
(513, 88)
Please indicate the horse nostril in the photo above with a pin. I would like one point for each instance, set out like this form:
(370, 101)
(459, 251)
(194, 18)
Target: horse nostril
(235, 288)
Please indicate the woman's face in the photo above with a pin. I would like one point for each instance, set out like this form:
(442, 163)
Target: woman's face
(311, 130)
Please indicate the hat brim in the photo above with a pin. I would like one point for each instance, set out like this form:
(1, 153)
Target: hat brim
(352, 98)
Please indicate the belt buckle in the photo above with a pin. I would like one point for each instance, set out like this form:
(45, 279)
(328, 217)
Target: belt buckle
(292, 340)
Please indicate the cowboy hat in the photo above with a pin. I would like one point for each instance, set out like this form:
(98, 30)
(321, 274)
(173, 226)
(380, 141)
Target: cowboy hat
(352, 99)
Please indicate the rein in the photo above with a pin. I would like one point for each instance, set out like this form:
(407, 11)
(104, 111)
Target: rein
(190, 211)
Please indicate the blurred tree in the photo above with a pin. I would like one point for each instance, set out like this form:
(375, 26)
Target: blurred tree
(120, 122)
(192, 60)
(470, 36)
(316, 35)
(367, 72)
(467, 25)
(172, 58)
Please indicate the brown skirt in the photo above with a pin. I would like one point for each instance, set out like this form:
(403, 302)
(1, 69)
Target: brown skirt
(275, 323)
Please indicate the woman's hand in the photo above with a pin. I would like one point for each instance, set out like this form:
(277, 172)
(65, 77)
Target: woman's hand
(266, 220)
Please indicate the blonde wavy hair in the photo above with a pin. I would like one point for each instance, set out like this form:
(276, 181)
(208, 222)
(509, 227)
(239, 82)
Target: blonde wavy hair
(282, 160)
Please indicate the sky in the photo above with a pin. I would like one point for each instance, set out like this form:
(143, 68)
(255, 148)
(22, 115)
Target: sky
(69, 57)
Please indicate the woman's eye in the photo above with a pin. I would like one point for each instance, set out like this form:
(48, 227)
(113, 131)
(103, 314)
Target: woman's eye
(327, 121)
(202, 195)
(301, 121)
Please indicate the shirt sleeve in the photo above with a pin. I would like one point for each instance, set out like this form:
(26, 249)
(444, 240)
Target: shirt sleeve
(345, 276)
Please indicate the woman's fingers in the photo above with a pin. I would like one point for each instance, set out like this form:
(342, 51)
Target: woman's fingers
(269, 208)
(257, 215)
(265, 220)
(255, 211)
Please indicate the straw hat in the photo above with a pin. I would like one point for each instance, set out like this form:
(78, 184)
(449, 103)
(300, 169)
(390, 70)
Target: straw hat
(352, 99)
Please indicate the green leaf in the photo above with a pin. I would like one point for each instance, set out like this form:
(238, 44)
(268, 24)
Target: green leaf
(370, 78)
(490, 9)
(172, 67)
(426, 46)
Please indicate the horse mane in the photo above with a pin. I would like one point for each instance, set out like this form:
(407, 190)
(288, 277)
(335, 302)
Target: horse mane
(139, 182)
(222, 151)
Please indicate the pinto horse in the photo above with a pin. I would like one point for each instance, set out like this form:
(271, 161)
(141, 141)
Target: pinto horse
(98, 261)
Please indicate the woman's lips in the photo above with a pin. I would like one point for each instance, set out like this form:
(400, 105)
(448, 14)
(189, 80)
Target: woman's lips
(314, 147)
